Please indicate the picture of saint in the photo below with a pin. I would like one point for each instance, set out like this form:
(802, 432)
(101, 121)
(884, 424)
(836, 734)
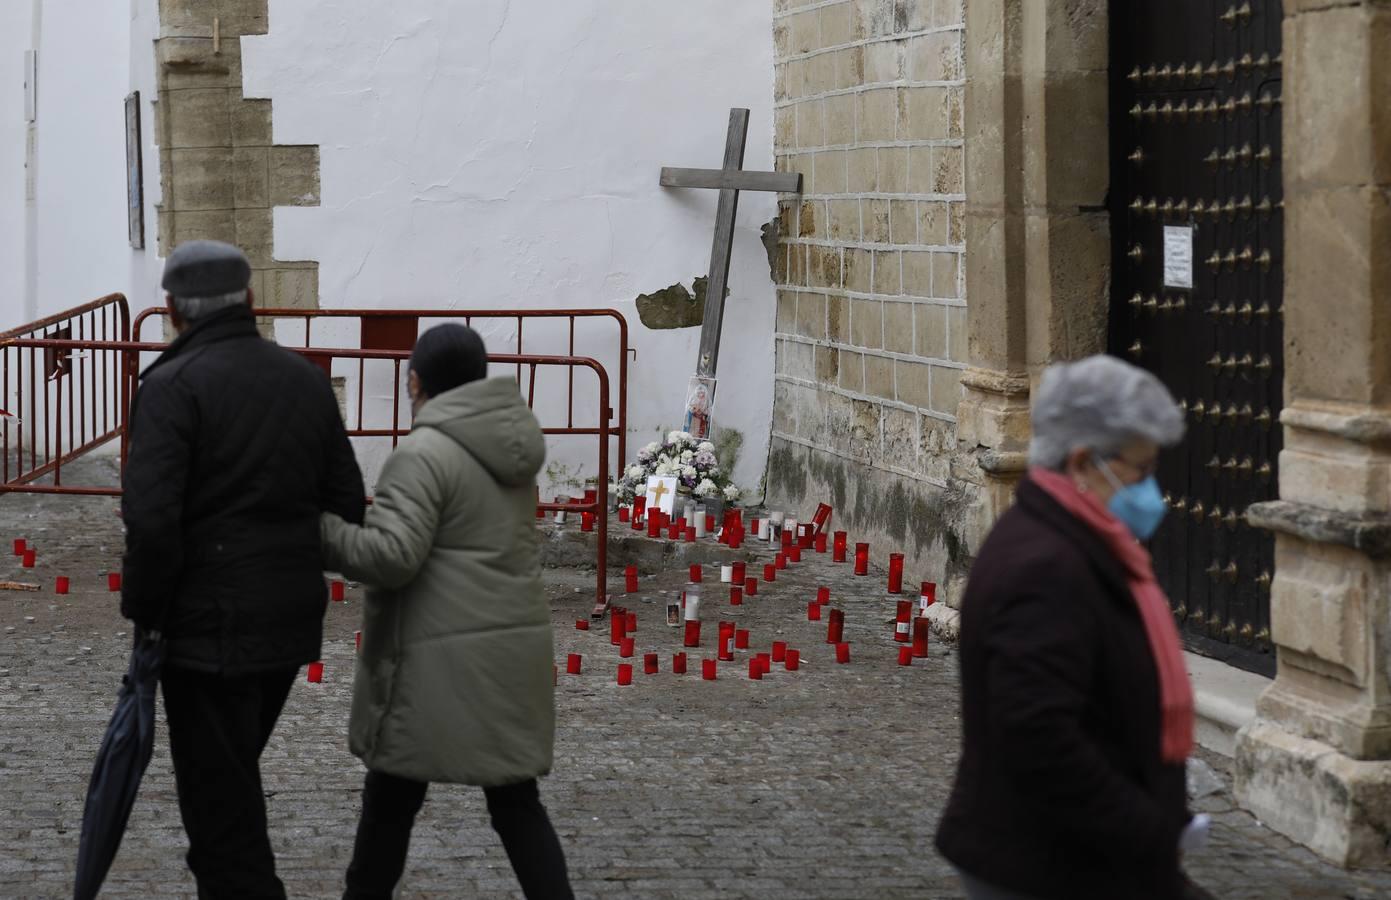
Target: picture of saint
(700, 400)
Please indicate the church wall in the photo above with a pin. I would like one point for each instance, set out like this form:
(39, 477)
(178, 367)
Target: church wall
(502, 154)
(871, 324)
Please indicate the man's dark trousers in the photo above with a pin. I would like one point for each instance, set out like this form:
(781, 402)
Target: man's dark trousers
(218, 727)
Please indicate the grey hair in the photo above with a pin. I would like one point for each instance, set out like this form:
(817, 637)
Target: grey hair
(1100, 403)
(191, 309)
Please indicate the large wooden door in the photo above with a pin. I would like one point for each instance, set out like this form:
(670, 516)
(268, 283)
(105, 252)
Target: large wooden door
(1195, 155)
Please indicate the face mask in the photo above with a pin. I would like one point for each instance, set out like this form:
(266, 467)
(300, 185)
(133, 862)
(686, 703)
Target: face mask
(1139, 506)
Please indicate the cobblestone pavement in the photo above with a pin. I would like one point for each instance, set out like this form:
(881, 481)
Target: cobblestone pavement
(820, 783)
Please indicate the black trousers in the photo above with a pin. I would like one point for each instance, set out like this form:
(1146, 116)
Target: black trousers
(218, 727)
(389, 806)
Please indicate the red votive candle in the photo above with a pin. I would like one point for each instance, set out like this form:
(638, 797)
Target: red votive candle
(639, 506)
(901, 621)
(820, 543)
(753, 527)
(618, 627)
(591, 495)
(862, 559)
(821, 518)
(895, 573)
(928, 596)
(905, 656)
(674, 531)
(838, 546)
(697, 573)
(813, 612)
(793, 660)
(357, 640)
(921, 629)
(780, 561)
(823, 596)
(20, 545)
(736, 596)
(842, 653)
(113, 581)
(649, 664)
(61, 584)
(630, 579)
(30, 556)
(622, 513)
(739, 573)
(692, 633)
(755, 670)
(794, 554)
(750, 587)
(707, 669)
(572, 664)
(625, 673)
(741, 639)
(726, 651)
(680, 523)
(779, 651)
(625, 648)
(586, 521)
(315, 672)
(654, 525)
(678, 664)
(709, 524)
(581, 624)
(631, 625)
(835, 628)
(737, 541)
(786, 539)
(765, 661)
(337, 590)
(690, 534)
(770, 573)
(637, 523)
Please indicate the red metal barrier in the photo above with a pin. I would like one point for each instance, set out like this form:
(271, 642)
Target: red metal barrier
(397, 329)
(67, 401)
(128, 352)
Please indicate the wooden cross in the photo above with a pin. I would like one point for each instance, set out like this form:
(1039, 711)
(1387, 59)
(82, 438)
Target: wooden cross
(659, 492)
(729, 181)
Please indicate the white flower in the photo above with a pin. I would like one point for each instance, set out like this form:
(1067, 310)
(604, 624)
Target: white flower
(731, 493)
(687, 455)
(635, 471)
(679, 437)
(688, 472)
(706, 447)
(664, 469)
(706, 488)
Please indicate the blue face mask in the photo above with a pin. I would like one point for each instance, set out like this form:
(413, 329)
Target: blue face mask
(1140, 506)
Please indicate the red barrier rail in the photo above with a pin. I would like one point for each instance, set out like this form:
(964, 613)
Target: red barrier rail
(69, 397)
(397, 329)
(129, 352)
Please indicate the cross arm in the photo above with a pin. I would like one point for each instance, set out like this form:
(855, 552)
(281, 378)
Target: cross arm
(719, 179)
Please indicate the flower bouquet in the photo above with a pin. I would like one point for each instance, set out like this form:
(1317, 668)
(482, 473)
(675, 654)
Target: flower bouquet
(692, 462)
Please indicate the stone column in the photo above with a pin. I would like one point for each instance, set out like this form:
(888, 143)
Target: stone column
(1037, 234)
(1316, 763)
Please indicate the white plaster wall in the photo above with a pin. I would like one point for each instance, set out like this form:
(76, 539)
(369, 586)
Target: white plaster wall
(90, 56)
(506, 154)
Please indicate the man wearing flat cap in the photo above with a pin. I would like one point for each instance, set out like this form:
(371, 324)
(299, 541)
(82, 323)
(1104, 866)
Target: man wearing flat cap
(236, 447)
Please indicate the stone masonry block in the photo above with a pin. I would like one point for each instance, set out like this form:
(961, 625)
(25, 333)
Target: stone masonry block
(867, 324)
(837, 319)
(945, 282)
(901, 438)
(874, 218)
(914, 383)
(829, 172)
(850, 68)
(811, 316)
(844, 220)
(946, 390)
(917, 273)
(859, 270)
(916, 15)
(250, 167)
(893, 170)
(930, 325)
(292, 288)
(828, 365)
(948, 166)
(840, 25)
(852, 371)
(201, 179)
(1319, 607)
(888, 271)
(934, 224)
(197, 118)
(811, 124)
(251, 122)
(957, 349)
(824, 267)
(935, 57)
(804, 31)
(255, 235)
(840, 119)
(786, 321)
(879, 376)
(213, 225)
(818, 73)
(903, 223)
(877, 115)
(948, 13)
(884, 62)
(862, 170)
(898, 327)
(925, 114)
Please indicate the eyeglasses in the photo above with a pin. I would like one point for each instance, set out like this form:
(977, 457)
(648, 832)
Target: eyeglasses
(1145, 469)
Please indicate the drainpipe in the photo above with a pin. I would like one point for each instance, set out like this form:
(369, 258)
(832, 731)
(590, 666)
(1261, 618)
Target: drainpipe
(31, 166)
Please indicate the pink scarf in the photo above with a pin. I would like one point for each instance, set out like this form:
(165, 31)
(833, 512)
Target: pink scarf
(1175, 692)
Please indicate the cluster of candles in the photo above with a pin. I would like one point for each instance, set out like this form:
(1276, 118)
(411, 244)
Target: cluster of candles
(62, 584)
(587, 517)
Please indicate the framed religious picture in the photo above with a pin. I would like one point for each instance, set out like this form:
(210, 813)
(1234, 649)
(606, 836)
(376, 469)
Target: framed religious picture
(661, 493)
(135, 174)
(700, 407)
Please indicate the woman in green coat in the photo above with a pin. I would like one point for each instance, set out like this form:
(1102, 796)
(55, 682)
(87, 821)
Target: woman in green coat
(454, 679)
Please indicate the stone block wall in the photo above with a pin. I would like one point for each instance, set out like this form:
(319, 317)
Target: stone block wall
(871, 322)
(221, 170)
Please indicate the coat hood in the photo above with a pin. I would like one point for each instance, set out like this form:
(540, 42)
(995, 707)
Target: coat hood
(491, 421)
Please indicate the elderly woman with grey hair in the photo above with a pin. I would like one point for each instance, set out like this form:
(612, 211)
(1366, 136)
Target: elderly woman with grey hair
(1076, 706)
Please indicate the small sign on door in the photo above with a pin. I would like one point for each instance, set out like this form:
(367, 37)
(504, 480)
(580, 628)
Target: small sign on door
(1178, 256)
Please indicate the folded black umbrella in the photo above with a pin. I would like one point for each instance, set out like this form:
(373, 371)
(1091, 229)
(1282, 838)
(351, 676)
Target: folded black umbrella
(121, 761)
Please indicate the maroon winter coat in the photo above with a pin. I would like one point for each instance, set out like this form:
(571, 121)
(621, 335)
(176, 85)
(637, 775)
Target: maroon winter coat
(1061, 792)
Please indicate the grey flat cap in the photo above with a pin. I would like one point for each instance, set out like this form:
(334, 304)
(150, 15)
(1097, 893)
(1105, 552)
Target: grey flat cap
(206, 269)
